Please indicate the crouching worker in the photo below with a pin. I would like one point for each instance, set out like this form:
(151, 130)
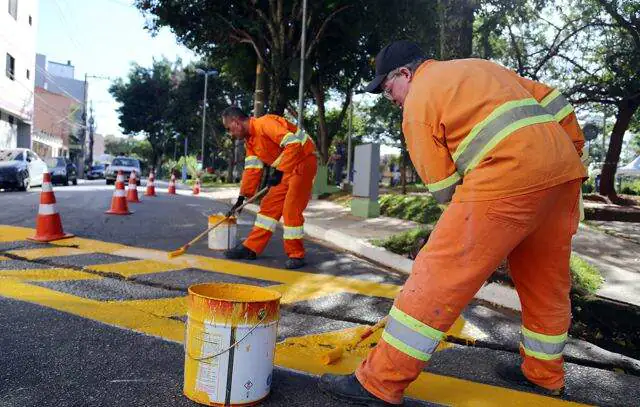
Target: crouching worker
(274, 141)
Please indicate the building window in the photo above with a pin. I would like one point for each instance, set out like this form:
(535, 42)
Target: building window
(11, 67)
(30, 20)
(28, 74)
(13, 9)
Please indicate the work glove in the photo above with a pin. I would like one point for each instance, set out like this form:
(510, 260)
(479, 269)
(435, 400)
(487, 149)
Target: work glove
(275, 178)
(235, 206)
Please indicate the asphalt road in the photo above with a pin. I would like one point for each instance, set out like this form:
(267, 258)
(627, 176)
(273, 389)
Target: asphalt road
(54, 358)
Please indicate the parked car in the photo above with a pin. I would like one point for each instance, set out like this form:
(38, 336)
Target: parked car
(20, 168)
(96, 171)
(62, 171)
(124, 164)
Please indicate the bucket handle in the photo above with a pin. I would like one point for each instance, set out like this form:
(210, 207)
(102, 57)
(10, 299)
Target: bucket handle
(262, 314)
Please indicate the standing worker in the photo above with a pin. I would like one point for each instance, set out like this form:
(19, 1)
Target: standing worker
(504, 150)
(273, 140)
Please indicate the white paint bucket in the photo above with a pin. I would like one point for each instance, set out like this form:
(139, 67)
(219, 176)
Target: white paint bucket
(230, 343)
(225, 236)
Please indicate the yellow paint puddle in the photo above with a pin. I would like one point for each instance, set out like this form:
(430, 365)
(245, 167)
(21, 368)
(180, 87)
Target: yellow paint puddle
(134, 267)
(33, 254)
(57, 274)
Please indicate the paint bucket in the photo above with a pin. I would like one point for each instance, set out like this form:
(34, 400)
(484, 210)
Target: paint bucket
(230, 343)
(225, 236)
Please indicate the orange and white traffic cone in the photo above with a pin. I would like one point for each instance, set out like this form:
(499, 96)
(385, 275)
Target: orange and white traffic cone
(151, 187)
(132, 192)
(48, 222)
(172, 185)
(119, 201)
(196, 187)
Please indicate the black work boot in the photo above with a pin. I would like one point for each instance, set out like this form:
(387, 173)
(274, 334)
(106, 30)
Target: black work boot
(513, 374)
(240, 252)
(348, 388)
(294, 263)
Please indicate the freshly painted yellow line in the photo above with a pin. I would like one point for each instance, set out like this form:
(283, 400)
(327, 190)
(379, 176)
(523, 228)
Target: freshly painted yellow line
(134, 267)
(3, 258)
(116, 313)
(89, 245)
(163, 307)
(33, 254)
(11, 233)
(302, 292)
(57, 274)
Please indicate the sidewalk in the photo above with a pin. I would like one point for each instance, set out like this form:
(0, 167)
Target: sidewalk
(617, 258)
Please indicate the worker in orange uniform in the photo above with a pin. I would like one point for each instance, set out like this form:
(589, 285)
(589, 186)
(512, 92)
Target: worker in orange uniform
(274, 141)
(505, 151)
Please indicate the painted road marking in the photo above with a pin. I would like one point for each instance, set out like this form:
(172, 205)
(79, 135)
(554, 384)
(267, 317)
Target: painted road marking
(151, 317)
(133, 268)
(52, 274)
(32, 254)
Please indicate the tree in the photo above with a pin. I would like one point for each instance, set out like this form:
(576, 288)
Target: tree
(146, 100)
(456, 28)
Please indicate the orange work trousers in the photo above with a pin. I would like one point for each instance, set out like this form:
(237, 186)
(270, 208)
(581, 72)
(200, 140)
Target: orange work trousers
(534, 233)
(287, 199)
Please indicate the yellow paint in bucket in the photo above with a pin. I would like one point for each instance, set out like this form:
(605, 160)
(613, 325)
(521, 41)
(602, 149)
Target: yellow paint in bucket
(230, 343)
(225, 236)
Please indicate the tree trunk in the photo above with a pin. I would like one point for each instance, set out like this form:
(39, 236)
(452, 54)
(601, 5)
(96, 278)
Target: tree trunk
(323, 131)
(231, 162)
(456, 28)
(403, 166)
(259, 95)
(626, 110)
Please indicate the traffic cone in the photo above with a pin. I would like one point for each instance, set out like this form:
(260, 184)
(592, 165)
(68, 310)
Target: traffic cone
(196, 187)
(119, 201)
(151, 188)
(172, 184)
(132, 192)
(48, 222)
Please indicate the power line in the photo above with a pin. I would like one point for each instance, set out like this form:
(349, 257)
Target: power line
(66, 23)
(50, 77)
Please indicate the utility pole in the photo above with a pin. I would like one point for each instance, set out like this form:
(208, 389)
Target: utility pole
(349, 140)
(91, 134)
(204, 105)
(83, 133)
(303, 45)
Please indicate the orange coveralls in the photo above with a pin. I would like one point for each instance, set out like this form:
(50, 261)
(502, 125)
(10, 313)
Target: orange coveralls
(278, 143)
(506, 151)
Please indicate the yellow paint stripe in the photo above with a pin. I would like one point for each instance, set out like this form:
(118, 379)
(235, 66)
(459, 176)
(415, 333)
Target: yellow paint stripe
(134, 267)
(164, 307)
(303, 291)
(11, 233)
(118, 313)
(32, 254)
(90, 245)
(57, 274)
(3, 258)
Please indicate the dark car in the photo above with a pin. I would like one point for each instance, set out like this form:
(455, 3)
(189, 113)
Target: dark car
(20, 168)
(62, 171)
(96, 171)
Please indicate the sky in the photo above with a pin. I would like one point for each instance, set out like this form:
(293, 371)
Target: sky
(102, 38)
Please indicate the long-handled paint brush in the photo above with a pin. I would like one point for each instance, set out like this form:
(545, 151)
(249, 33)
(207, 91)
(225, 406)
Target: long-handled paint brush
(335, 354)
(183, 249)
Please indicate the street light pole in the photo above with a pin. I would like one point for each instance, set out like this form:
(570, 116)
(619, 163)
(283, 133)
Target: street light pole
(204, 104)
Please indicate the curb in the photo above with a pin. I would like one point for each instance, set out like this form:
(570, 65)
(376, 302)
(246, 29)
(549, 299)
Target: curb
(493, 293)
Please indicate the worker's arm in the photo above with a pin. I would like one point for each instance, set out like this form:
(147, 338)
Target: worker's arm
(290, 141)
(557, 105)
(431, 157)
(252, 173)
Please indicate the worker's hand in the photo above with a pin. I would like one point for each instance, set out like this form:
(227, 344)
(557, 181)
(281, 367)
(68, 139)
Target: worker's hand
(275, 178)
(235, 206)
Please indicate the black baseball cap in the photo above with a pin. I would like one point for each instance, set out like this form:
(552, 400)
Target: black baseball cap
(394, 55)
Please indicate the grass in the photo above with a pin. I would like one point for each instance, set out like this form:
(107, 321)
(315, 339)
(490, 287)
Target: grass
(584, 275)
(212, 184)
(404, 243)
(418, 208)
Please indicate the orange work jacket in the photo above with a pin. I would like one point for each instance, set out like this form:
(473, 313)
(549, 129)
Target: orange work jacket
(273, 141)
(477, 131)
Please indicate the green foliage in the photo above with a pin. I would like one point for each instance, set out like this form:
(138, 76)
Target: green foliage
(404, 243)
(631, 187)
(192, 165)
(589, 186)
(421, 209)
(584, 275)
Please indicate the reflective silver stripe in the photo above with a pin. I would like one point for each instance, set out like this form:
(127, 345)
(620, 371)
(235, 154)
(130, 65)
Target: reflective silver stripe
(120, 178)
(293, 232)
(299, 137)
(265, 222)
(119, 193)
(503, 121)
(550, 349)
(46, 187)
(47, 209)
(252, 161)
(443, 190)
(556, 104)
(410, 337)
